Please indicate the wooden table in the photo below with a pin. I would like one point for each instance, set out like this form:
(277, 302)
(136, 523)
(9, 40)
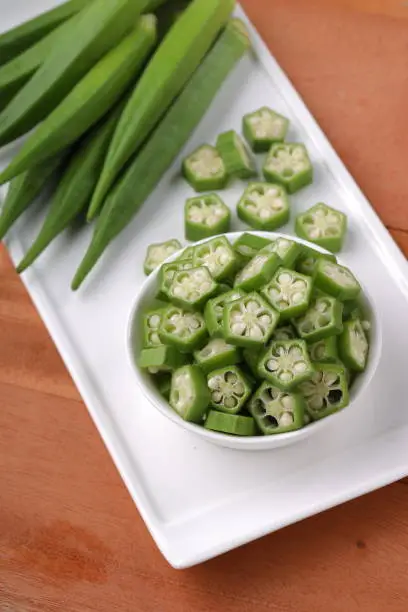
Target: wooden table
(70, 537)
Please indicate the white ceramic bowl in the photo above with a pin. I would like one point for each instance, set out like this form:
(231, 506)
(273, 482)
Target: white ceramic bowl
(143, 301)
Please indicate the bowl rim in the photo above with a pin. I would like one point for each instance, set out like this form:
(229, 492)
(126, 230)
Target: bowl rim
(265, 442)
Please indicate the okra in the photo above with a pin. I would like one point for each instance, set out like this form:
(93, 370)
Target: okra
(308, 258)
(257, 272)
(289, 293)
(286, 364)
(187, 254)
(151, 325)
(192, 288)
(161, 359)
(214, 308)
(229, 389)
(76, 185)
(206, 216)
(89, 100)
(218, 256)
(353, 346)
(163, 384)
(189, 394)
(326, 392)
(166, 275)
(287, 250)
(205, 170)
(283, 332)
(249, 321)
(322, 319)
(236, 158)
(264, 127)
(276, 411)
(159, 252)
(324, 351)
(264, 206)
(251, 357)
(217, 354)
(336, 280)
(289, 164)
(96, 29)
(233, 424)
(248, 245)
(325, 226)
(182, 329)
(177, 57)
(24, 189)
(164, 143)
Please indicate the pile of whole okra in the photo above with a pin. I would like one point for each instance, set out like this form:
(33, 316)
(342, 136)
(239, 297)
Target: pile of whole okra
(264, 335)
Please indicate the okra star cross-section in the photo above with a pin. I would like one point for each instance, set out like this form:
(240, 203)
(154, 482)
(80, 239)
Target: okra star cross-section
(249, 321)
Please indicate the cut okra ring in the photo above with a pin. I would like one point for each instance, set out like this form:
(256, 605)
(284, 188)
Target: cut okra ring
(353, 346)
(324, 351)
(276, 411)
(264, 206)
(286, 249)
(205, 170)
(288, 164)
(322, 319)
(159, 252)
(229, 389)
(257, 272)
(308, 259)
(151, 324)
(336, 280)
(324, 226)
(192, 288)
(248, 245)
(283, 332)
(182, 329)
(218, 256)
(249, 321)
(235, 155)
(214, 309)
(233, 424)
(264, 127)
(289, 293)
(286, 364)
(327, 390)
(217, 354)
(166, 275)
(189, 395)
(206, 216)
(160, 359)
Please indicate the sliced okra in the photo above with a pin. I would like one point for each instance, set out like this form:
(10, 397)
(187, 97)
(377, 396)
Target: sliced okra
(206, 216)
(229, 389)
(205, 170)
(257, 272)
(237, 160)
(284, 332)
(214, 308)
(326, 392)
(160, 359)
(163, 384)
(325, 350)
(276, 411)
(248, 245)
(353, 346)
(352, 310)
(289, 293)
(251, 357)
(308, 258)
(217, 354)
(264, 127)
(151, 324)
(289, 165)
(218, 256)
(249, 321)
(288, 250)
(159, 252)
(192, 288)
(336, 280)
(182, 329)
(189, 395)
(186, 254)
(322, 319)
(234, 424)
(264, 206)
(325, 226)
(286, 363)
(166, 275)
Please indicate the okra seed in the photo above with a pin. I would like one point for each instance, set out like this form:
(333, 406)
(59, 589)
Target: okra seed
(286, 419)
(288, 402)
(217, 397)
(238, 328)
(272, 365)
(285, 376)
(265, 320)
(300, 367)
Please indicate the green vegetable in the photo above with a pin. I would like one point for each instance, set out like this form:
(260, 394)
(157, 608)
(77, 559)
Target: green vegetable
(182, 329)
(159, 252)
(336, 280)
(163, 384)
(191, 289)
(326, 392)
(353, 346)
(206, 216)
(161, 359)
(287, 250)
(205, 170)
(277, 411)
(264, 127)
(284, 332)
(151, 324)
(96, 29)
(289, 165)
(308, 258)
(234, 424)
(322, 319)
(235, 156)
(89, 100)
(325, 226)
(251, 357)
(213, 311)
(187, 254)
(248, 245)
(179, 54)
(289, 293)
(249, 321)
(257, 272)
(229, 389)
(165, 143)
(324, 351)
(286, 364)
(264, 206)
(189, 395)
(217, 354)
(166, 275)
(218, 256)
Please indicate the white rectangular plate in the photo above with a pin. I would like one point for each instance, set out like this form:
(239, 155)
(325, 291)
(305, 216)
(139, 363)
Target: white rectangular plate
(199, 500)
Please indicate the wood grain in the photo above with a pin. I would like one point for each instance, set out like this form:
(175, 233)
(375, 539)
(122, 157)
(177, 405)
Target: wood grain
(70, 537)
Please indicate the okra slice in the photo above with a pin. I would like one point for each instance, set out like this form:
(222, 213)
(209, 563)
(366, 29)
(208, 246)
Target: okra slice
(288, 250)
(257, 272)
(160, 359)
(248, 245)
(251, 357)
(234, 424)
(182, 329)
(189, 394)
(218, 256)
(326, 392)
(217, 354)
(206, 216)
(284, 332)
(163, 384)
(205, 170)
(237, 160)
(249, 321)
(192, 288)
(151, 324)
(325, 226)
(322, 319)
(229, 389)
(288, 292)
(336, 280)
(166, 275)
(264, 127)
(325, 350)
(286, 363)
(264, 206)
(288, 164)
(157, 253)
(214, 308)
(186, 255)
(276, 411)
(353, 346)
(308, 258)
